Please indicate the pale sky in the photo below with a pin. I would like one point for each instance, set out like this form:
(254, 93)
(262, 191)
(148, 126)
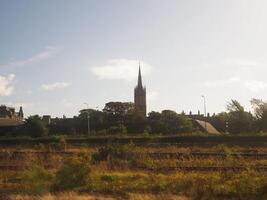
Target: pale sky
(56, 55)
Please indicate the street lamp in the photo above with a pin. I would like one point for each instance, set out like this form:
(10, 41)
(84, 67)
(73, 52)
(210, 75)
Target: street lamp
(88, 119)
(204, 101)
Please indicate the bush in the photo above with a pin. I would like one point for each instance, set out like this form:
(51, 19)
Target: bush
(37, 180)
(35, 127)
(73, 174)
(112, 152)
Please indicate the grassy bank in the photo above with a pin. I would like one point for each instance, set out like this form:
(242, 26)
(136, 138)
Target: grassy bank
(128, 171)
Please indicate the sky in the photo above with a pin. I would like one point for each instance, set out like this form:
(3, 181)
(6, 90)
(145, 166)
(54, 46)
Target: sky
(57, 55)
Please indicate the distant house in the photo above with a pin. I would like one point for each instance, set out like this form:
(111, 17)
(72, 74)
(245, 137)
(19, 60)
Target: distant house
(9, 119)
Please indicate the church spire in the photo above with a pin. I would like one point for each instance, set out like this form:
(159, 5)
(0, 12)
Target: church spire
(139, 78)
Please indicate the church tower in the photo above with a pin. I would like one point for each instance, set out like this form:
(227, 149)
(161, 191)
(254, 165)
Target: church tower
(140, 96)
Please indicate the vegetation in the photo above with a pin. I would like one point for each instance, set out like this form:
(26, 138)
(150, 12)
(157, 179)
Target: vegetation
(119, 118)
(130, 172)
(73, 173)
(34, 127)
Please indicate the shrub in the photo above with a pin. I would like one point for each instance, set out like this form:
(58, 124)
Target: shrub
(112, 152)
(35, 127)
(37, 180)
(73, 174)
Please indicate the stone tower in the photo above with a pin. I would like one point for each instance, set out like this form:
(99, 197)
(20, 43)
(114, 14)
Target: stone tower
(140, 96)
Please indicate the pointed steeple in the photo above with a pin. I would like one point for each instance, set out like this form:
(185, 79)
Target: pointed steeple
(140, 78)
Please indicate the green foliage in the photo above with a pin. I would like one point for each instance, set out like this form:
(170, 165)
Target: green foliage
(120, 129)
(112, 152)
(73, 174)
(173, 123)
(246, 185)
(37, 180)
(35, 127)
(118, 109)
(260, 111)
(102, 132)
(147, 130)
(235, 121)
(234, 106)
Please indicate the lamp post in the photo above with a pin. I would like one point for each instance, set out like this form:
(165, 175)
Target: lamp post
(88, 119)
(204, 101)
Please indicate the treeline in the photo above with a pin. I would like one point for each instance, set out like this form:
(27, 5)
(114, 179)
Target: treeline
(121, 118)
(236, 120)
(116, 118)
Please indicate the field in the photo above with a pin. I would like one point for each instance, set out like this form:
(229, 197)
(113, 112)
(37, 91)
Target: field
(129, 171)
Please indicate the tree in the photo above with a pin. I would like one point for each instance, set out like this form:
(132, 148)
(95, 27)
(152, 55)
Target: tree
(154, 115)
(186, 124)
(234, 106)
(240, 121)
(174, 123)
(118, 108)
(260, 112)
(96, 117)
(219, 121)
(35, 126)
(117, 113)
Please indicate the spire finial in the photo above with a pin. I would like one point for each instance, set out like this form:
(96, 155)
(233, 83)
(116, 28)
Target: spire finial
(139, 77)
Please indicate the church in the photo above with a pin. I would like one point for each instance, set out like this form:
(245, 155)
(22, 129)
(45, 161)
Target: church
(140, 96)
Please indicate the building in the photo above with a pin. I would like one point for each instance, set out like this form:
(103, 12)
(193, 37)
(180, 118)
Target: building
(9, 113)
(140, 96)
(9, 119)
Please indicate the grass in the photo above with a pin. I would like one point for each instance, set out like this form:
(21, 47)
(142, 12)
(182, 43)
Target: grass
(75, 196)
(113, 172)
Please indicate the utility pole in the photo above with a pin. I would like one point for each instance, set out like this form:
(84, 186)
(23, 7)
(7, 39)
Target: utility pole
(88, 119)
(205, 114)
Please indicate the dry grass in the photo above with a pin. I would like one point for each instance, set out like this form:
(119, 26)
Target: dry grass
(75, 196)
(60, 196)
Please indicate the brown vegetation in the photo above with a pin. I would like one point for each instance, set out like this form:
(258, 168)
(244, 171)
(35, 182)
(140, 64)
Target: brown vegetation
(135, 172)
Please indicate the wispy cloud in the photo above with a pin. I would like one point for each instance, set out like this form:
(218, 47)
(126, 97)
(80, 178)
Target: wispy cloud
(54, 86)
(120, 69)
(255, 85)
(222, 83)
(48, 52)
(7, 85)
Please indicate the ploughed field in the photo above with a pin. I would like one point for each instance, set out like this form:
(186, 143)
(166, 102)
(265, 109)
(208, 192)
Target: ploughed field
(124, 170)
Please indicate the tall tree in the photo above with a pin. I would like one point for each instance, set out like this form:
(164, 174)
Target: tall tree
(116, 111)
(240, 121)
(260, 112)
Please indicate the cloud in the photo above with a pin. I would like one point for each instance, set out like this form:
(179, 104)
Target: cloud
(255, 86)
(7, 85)
(120, 69)
(48, 52)
(222, 83)
(54, 86)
